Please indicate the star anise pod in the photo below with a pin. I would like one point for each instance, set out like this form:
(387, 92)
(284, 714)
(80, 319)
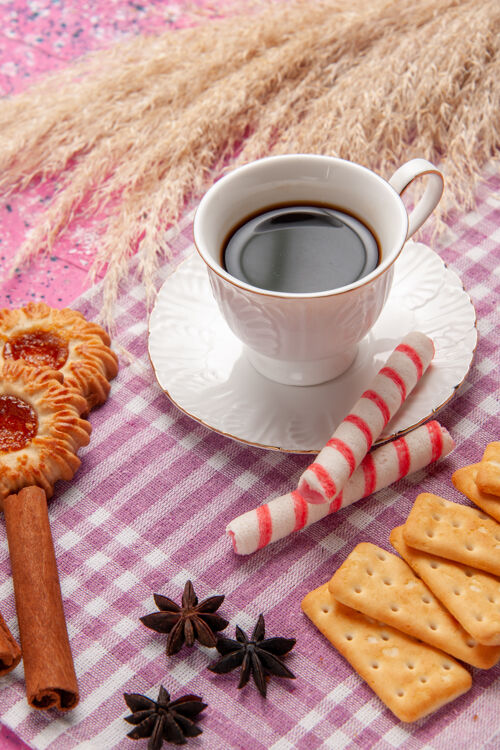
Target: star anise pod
(163, 719)
(187, 623)
(257, 656)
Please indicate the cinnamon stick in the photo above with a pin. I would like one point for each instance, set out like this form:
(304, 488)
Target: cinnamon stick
(10, 653)
(48, 663)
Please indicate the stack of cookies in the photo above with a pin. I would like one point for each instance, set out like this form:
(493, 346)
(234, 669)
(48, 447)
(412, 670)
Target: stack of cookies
(405, 623)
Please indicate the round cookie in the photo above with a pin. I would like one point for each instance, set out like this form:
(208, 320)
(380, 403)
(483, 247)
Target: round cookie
(60, 340)
(40, 428)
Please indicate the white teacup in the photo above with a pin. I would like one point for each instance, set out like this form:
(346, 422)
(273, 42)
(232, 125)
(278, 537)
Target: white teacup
(308, 338)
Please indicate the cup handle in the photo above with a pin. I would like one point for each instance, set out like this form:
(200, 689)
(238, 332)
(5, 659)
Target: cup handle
(405, 175)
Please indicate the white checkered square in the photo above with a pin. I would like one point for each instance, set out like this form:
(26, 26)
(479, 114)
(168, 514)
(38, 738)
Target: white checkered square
(396, 736)
(477, 252)
(338, 740)
(310, 720)
(465, 428)
(97, 561)
(156, 558)
(485, 366)
(126, 581)
(99, 516)
(472, 219)
(490, 404)
(333, 542)
(486, 326)
(163, 422)
(191, 440)
(340, 692)
(479, 291)
(69, 584)
(183, 672)
(137, 405)
(89, 658)
(152, 650)
(96, 606)
(246, 480)
(127, 537)
(124, 627)
(359, 518)
(219, 460)
(5, 588)
(68, 540)
(368, 713)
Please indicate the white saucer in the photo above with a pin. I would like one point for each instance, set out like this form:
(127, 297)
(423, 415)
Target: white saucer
(200, 365)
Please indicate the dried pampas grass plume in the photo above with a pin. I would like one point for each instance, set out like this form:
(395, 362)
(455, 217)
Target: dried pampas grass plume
(141, 129)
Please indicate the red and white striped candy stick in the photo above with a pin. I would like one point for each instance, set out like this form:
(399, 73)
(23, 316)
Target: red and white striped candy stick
(353, 438)
(282, 516)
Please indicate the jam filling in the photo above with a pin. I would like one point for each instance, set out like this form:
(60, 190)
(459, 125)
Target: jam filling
(18, 423)
(37, 347)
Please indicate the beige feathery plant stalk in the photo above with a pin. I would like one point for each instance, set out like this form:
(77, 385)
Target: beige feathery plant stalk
(141, 129)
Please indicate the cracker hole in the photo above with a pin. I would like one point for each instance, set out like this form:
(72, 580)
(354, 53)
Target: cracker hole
(434, 565)
(369, 571)
(326, 609)
(491, 599)
(375, 665)
(483, 517)
(410, 665)
(447, 666)
(384, 637)
(429, 533)
(436, 516)
(469, 573)
(357, 589)
(381, 556)
(497, 537)
(469, 547)
(400, 693)
(387, 582)
(349, 636)
(394, 608)
(457, 592)
(471, 643)
(456, 524)
(479, 618)
(433, 626)
(423, 679)
(426, 599)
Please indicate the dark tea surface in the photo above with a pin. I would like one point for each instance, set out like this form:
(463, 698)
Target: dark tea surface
(301, 249)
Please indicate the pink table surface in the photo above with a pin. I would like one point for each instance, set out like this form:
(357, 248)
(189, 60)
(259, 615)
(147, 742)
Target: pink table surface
(40, 36)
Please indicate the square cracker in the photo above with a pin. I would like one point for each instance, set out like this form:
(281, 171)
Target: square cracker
(472, 596)
(465, 480)
(382, 586)
(411, 678)
(456, 532)
(488, 475)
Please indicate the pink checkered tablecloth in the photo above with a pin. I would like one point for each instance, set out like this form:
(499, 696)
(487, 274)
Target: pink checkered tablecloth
(148, 511)
(148, 508)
